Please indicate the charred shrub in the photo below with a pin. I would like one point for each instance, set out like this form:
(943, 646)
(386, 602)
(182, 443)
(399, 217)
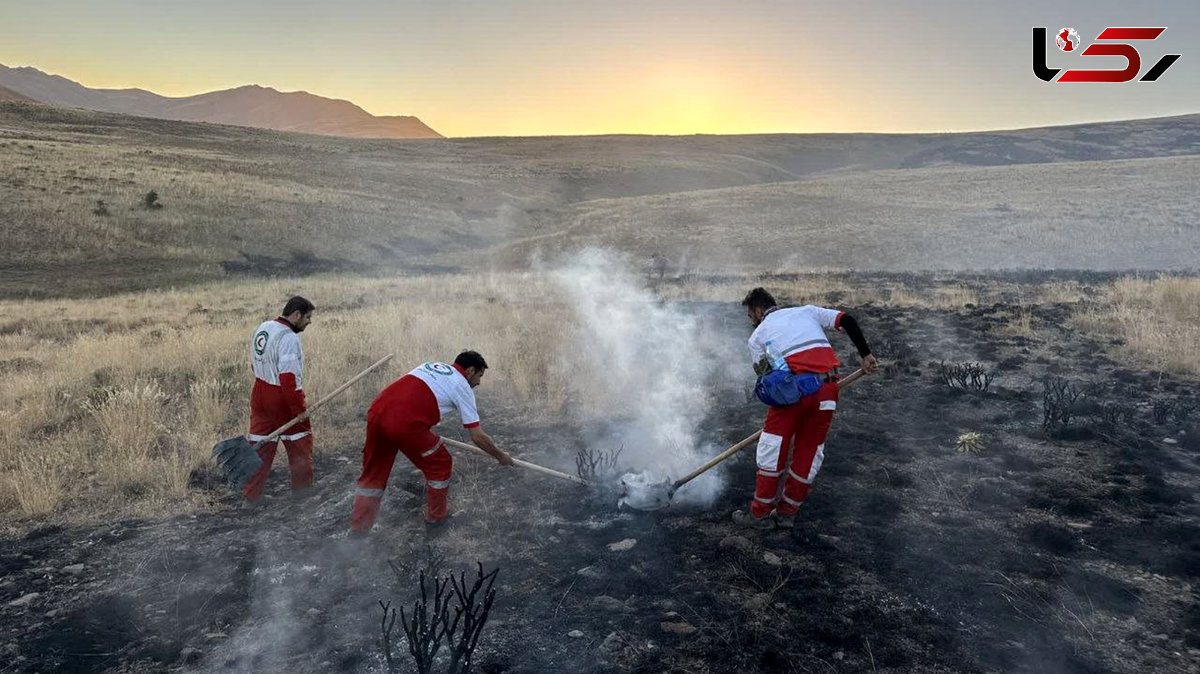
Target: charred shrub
(1060, 402)
(1111, 415)
(966, 376)
(594, 464)
(1163, 410)
(1182, 411)
(896, 355)
(450, 612)
(1177, 411)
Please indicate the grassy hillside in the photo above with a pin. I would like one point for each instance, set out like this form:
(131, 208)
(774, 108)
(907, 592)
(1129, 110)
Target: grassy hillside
(1110, 215)
(237, 200)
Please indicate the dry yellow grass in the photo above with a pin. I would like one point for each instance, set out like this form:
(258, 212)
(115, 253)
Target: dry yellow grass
(903, 297)
(108, 405)
(112, 403)
(1060, 292)
(1158, 321)
(1020, 322)
(954, 297)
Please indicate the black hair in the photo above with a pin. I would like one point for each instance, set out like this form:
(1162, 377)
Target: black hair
(468, 359)
(758, 298)
(297, 303)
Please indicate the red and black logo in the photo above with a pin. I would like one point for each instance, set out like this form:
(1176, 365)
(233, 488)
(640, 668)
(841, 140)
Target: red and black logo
(1067, 40)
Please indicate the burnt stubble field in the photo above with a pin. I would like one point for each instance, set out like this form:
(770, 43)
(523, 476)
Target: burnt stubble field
(1063, 537)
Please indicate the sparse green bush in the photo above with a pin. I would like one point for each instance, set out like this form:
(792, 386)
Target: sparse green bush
(971, 442)
(150, 201)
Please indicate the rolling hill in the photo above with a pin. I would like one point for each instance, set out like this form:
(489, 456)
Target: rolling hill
(1111, 196)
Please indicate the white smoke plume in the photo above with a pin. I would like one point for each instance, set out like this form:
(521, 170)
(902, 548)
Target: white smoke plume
(643, 365)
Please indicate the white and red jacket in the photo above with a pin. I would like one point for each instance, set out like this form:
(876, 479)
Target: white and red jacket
(798, 333)
(451, 389)
(278, 395)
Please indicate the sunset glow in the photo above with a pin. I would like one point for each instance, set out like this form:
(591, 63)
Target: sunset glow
(534, 67)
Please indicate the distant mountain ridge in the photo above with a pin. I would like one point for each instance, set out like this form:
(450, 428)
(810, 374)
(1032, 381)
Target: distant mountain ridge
(252, 105)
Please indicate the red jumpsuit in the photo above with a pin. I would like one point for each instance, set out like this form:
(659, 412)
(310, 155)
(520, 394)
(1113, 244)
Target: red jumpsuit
(792, 445)
(400, 420)
(277, 397)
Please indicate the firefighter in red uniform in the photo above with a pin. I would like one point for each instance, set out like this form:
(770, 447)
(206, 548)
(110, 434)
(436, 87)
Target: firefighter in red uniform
(278, 396)
(400, 420)
(792, 445)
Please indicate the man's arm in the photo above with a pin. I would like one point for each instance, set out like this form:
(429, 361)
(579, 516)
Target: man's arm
(847, 323)
(758, 357)
(295, 398)
(289, 372)
(484, 441)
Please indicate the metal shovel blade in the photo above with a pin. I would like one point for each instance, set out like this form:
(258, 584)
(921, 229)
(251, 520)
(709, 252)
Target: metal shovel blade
(237, 459)
(645, 491)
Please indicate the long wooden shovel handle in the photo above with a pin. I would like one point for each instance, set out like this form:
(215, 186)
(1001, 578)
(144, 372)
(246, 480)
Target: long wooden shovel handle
(842, 383)
(518, 462)
(719, 458)
(301, 417)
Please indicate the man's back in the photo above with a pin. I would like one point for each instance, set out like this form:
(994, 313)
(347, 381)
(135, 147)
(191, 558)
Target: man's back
(798, 334)
(275, 349)
(448, 386)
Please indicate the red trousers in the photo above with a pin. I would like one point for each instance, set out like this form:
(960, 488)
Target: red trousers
(269, 409)
(790, 452)
(400, 421)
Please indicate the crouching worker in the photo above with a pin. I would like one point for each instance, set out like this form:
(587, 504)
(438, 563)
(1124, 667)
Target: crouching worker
(400, 420)
(792, 445)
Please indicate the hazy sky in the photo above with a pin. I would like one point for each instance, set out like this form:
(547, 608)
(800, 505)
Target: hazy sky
(534, 67)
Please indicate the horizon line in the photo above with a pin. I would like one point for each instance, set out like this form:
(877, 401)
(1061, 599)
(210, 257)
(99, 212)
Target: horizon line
(580, 135)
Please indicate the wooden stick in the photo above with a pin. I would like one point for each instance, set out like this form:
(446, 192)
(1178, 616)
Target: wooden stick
(518, 462)
(842, 383)
(279, 431)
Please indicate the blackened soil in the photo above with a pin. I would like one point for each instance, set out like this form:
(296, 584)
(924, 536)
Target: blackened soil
(1074, 550)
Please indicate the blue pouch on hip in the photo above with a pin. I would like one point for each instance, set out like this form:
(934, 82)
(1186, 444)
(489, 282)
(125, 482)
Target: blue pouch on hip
(778, 388)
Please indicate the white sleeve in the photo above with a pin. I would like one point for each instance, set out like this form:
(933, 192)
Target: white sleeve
(290, 355)
(828, 318)
(757, 350)
(465, 402)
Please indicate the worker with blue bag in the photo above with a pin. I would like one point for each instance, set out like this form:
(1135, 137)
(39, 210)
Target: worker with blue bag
(797, 370)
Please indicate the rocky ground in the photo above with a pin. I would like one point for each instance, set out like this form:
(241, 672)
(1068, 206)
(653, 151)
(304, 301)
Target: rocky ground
(1068, 548)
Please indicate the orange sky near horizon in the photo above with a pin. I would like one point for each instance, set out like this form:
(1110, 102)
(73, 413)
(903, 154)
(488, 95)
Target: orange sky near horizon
(535, 67)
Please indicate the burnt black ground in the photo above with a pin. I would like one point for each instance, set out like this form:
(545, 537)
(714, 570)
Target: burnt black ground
(1071, 551)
